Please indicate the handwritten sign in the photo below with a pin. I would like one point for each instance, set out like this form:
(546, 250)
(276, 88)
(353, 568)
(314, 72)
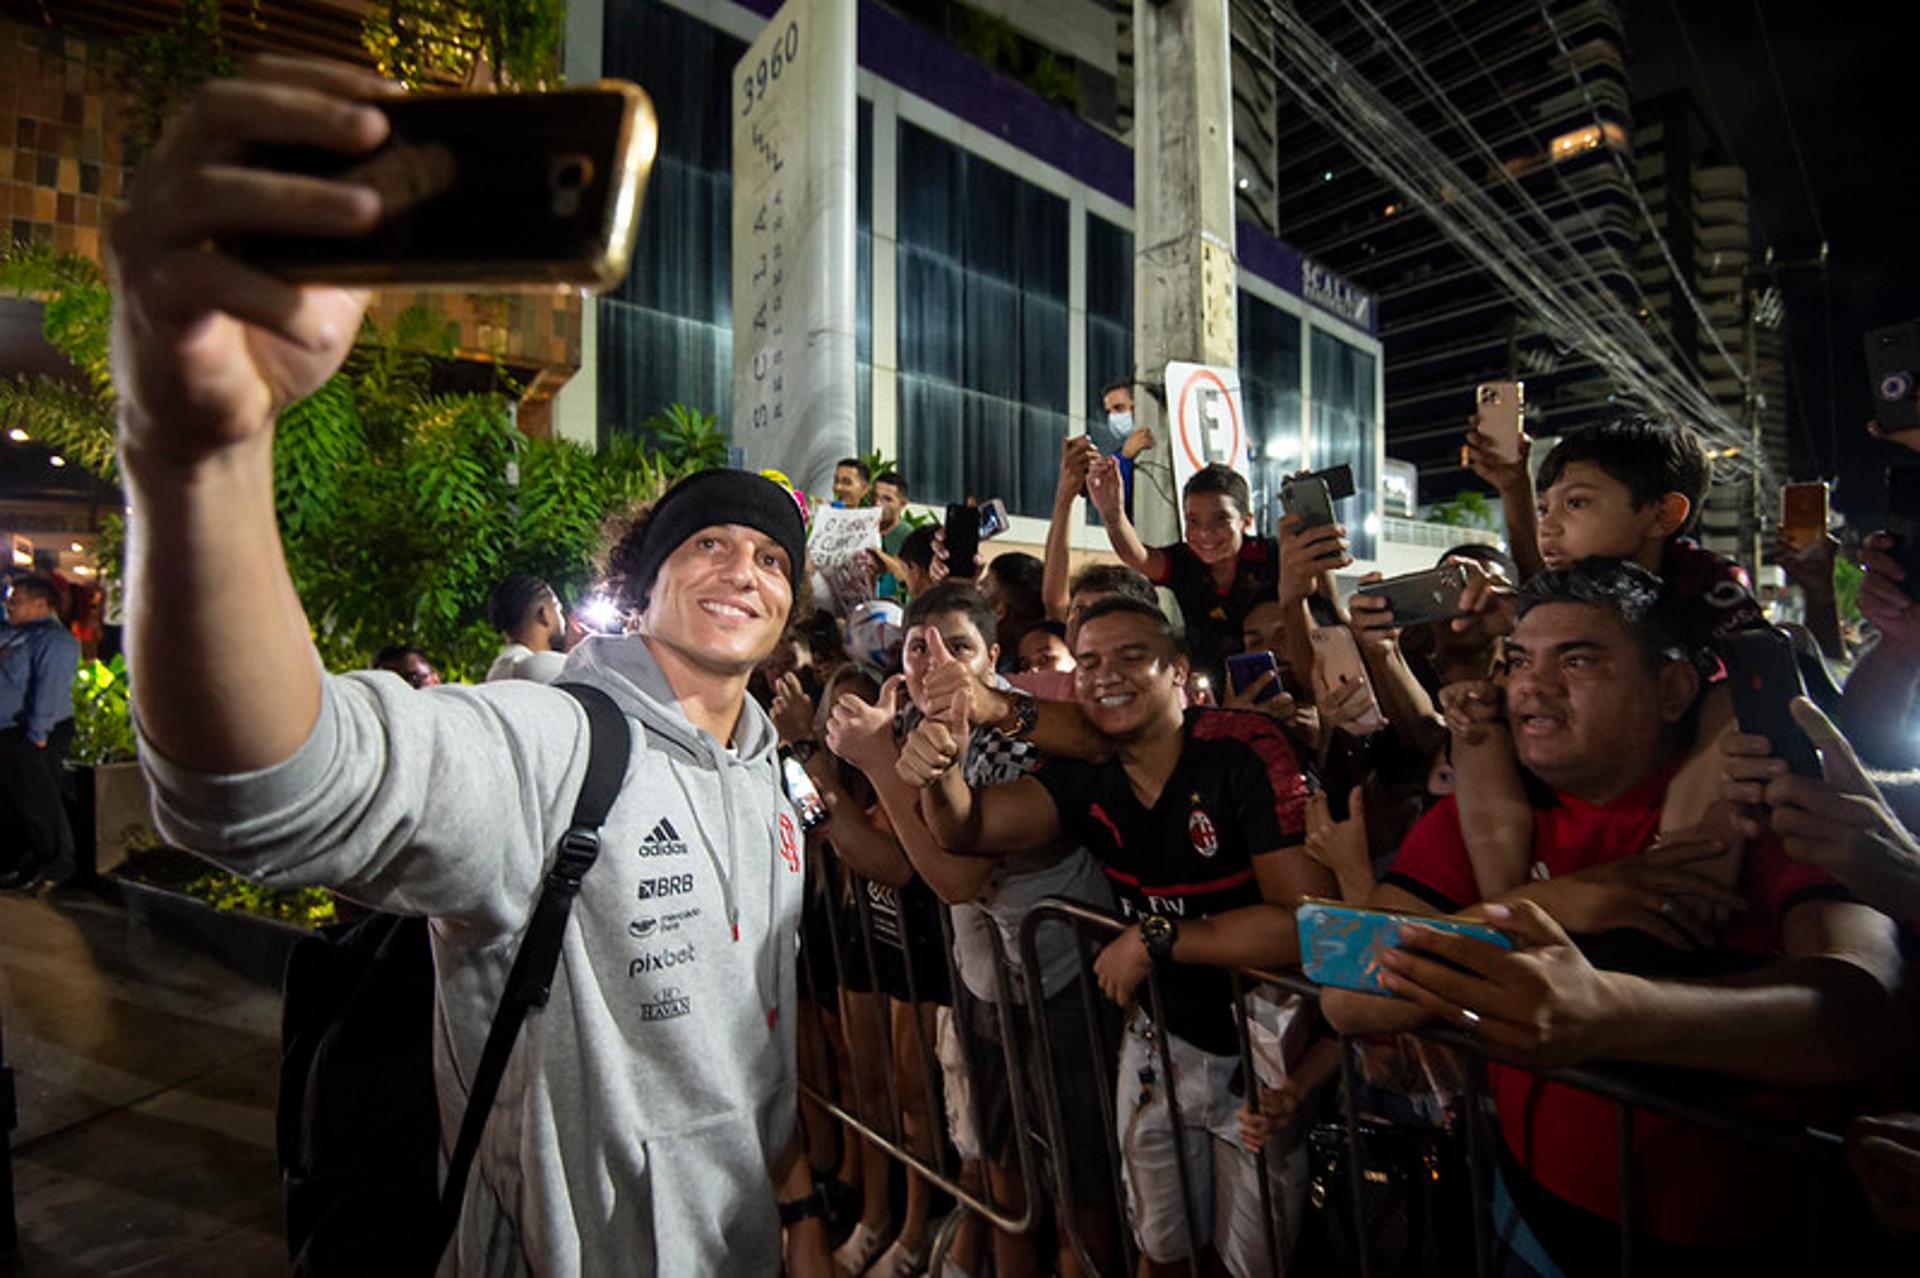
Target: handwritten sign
(837, 550)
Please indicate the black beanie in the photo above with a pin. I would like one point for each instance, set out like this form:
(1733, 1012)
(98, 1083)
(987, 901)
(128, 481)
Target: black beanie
(719, 496)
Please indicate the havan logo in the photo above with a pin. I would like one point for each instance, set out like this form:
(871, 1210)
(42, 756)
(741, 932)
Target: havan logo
(670, 1004)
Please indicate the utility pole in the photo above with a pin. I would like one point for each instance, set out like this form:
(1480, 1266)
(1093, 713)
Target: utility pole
(1183, 200)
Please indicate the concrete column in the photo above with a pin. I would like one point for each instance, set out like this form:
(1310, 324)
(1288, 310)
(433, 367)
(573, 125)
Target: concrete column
(1183, 197)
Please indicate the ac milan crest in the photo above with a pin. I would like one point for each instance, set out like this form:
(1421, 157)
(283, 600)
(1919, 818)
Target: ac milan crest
(1206, 841)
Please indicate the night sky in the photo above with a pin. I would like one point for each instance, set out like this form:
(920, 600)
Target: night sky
(1852, 84)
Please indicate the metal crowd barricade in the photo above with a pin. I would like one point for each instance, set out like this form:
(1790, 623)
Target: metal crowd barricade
(937, 1168)
(1818, 1150)
(9, 1118)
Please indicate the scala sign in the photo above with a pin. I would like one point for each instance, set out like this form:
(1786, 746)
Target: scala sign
(1329, 292)
(1208, 419)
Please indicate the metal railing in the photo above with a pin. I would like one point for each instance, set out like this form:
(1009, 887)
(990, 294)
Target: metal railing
(1044, 1148)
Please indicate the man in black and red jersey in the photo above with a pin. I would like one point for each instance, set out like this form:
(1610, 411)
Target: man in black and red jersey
(1794, 992)
(1198, 821)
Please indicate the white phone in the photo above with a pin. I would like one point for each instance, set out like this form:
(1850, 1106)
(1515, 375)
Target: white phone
(1336, 663)
(1501, 407)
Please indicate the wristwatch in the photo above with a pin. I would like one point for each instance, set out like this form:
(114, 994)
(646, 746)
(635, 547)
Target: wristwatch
(811, 1207)
(1158, 932)
(802, 750)
(1023, 713)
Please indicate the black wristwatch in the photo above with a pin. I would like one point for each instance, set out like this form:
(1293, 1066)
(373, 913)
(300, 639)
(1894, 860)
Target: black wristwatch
(1158, 932)
(1020, 718)
(802, 750)
(811, 1207)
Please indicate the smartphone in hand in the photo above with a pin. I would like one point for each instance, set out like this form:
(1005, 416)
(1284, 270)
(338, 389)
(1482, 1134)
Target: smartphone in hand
(1245, 668)
(1340, 945)
(1420, 597)
(1763, 677)
(482, 188)
(1501, 407)
(1803, 514)
(963, 541)
(1903, 523)
(1893, 364)
(1336, 664)
(993, 519)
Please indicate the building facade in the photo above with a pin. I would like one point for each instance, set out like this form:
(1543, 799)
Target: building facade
(1539, 143)
(995, 273)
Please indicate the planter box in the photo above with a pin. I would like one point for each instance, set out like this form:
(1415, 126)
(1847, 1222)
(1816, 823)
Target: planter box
(109, 807)
(253, 946)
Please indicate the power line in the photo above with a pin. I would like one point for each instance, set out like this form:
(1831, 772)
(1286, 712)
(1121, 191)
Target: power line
(1386, 141)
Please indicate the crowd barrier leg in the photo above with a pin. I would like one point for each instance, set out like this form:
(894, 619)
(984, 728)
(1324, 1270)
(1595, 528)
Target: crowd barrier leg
(9, 1119)
(1356, 1182)
(1479, 1178)
(1276, 1225)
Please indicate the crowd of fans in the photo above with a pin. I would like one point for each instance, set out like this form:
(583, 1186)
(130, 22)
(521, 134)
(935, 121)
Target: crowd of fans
(1561, 760)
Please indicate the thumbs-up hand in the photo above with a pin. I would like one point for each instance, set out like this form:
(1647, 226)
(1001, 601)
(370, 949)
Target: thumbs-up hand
(862, 733)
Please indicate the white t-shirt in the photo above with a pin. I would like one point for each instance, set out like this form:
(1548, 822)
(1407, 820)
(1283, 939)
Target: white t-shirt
(517, 661)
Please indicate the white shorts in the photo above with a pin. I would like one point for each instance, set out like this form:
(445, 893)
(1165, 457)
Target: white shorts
(1223, 1177)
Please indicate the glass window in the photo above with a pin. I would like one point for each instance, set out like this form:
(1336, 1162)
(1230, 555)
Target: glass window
(666, 333)
(1345, 429)
(983, 328)
(1109, 315)
(1269, 340)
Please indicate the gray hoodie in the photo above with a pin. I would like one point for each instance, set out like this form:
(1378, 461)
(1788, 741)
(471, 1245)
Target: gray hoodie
(646, 1104)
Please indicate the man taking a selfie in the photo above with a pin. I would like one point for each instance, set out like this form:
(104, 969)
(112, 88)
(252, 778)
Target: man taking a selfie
(647, 1112)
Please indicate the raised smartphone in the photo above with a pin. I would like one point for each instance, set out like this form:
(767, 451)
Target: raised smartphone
(1340, 944)
(993, 519)
(1893, 364)
(1764, 678)
(483, 188)
(1803, 514)
(802, 793)
(1337, 663)
(963, 541)
(1419, 597)
(1245, 668)
(1501, 407)
(1311, 496)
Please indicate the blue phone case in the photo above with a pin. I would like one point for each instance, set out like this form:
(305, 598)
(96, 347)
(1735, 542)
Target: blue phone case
(1340, 944)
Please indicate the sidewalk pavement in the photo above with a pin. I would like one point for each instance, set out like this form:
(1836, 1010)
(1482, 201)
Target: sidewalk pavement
(146, 1074)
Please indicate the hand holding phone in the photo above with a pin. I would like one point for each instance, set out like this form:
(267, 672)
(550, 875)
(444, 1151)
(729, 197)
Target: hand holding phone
(1340, 673)
(1499, 408)
(1340, 945)
(1803, 514)
(993, 519)
(962, 529)
(1903, 524)
(481, 188)
(1420, 597)
(1244, 670)
(1763, 677)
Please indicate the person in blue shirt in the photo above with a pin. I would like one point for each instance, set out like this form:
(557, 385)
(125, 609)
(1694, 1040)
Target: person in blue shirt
(38, 659)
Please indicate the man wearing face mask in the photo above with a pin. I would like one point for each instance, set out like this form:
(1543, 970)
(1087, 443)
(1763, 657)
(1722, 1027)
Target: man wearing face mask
(1133, 440)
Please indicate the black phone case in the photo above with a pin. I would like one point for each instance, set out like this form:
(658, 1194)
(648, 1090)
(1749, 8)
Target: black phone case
(1893, 365)
(963, 539)
(1764, 677)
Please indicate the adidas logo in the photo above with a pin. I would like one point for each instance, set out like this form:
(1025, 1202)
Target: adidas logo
(663, 840)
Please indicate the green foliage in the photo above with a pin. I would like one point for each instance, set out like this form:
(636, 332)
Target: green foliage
(163, 68)
(688, 438)
(102, 724)
(305, 906)
(1470, 509)
(398, 508)
(998, 43)
(77, 422)
(427, 41)
(1847, 577)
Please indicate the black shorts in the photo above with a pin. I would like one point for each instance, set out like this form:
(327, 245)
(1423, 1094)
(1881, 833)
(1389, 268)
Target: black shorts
(1077, 1064)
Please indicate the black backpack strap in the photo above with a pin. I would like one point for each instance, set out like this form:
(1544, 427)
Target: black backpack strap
(531, 979)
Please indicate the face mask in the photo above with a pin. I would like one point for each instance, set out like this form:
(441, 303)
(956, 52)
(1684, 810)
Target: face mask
(1121, 424)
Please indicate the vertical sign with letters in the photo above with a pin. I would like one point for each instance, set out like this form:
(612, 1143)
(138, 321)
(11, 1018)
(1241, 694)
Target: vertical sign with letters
(793, 243)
